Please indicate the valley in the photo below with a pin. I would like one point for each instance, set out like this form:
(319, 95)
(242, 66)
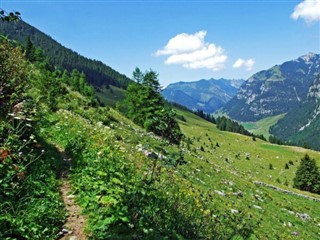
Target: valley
(88, 153)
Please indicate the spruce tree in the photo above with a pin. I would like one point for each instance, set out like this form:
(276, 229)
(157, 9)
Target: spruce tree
(145, 106)
(307, 176)
(30, 50)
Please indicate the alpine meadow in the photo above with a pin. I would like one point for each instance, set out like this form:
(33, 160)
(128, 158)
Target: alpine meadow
(133, 146)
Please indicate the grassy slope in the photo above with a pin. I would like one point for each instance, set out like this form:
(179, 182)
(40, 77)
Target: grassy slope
(217, 169)
(111, 96)
(262, 126)
(261, 153)
(241, 172)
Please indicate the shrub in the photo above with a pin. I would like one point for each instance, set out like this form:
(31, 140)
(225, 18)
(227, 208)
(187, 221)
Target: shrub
(307, 176)
(13, 76)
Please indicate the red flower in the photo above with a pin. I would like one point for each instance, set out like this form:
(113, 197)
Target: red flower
(3, 154)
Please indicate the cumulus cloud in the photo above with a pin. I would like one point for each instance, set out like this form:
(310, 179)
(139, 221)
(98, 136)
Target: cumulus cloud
(247, 64)
(309, 10)
(191, 51)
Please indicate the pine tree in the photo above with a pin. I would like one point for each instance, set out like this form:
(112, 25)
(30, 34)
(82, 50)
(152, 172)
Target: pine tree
(30, 50)
(75, 75)
(307, 175)
(65, 77)
(82, 82)
(137, 75)
(146, 107)
(9, 17)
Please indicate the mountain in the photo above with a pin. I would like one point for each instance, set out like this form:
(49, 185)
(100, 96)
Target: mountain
(74, 158)
(274, 91)
(96, 72)
(302, 125)
(206, 95)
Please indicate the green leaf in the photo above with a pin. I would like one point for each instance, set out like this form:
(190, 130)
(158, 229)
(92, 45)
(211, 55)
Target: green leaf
(116, 181)
(125, 219)
(101, 173)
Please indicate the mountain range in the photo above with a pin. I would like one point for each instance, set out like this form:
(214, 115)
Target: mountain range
(274, 91)
(302, 124)
(207, 95)
(291, 88)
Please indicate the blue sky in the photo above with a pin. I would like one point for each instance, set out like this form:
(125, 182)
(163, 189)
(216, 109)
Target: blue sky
(181, 40)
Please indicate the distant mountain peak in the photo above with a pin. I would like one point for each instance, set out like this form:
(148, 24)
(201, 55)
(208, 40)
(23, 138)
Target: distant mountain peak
(207, 95)
(309, 57)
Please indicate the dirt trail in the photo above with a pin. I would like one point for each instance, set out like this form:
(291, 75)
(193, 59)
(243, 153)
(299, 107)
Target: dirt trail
(75, 223)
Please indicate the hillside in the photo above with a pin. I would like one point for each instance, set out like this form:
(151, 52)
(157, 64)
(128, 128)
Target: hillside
(207, 95)
(96, 72)
(274, 91)
(219, 179)
(130, 183)
(302, 125)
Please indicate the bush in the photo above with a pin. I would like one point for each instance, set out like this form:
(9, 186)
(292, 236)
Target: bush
(13, 76)
(307, 176)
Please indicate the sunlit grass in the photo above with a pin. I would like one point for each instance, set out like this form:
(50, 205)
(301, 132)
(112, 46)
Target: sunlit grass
(262, 126)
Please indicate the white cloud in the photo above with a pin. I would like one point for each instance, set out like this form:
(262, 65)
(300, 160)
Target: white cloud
(183, 43)
(191, 51)
(248, 64)
(309, 10)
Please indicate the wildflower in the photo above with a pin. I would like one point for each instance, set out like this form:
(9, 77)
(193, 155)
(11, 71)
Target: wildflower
(4, 154)
(42, 151)
(295, 233)
(20, 153)
(21, 175)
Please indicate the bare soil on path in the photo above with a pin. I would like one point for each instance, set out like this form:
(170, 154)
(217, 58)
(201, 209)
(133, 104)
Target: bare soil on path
(75, 222)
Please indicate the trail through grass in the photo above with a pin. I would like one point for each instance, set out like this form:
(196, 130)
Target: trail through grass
(74, 226)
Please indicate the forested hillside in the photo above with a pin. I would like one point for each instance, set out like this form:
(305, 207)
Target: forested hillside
(302, 125)
(96, 72)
